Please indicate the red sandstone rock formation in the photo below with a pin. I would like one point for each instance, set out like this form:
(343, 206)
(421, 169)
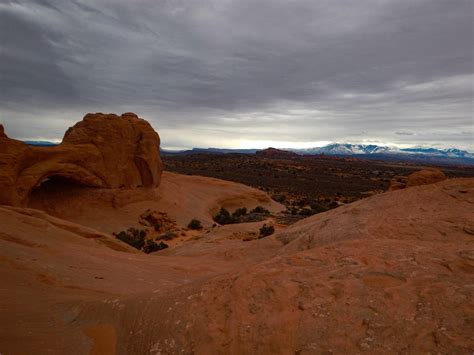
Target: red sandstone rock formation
(102, 150)
(421, 177)
(425, 177)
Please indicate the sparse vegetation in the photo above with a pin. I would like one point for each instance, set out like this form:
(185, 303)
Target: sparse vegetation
(279, 198)
(313, 182)
(265, 231)
(132, 236)
(261, 210)
(195, 224)
(150, 246)
(224, 217)
(318, 208)
(239, 212)
(240, 215)
(136, 238)
(306, 212)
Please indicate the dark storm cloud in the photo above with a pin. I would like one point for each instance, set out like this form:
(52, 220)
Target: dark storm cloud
(228, 71)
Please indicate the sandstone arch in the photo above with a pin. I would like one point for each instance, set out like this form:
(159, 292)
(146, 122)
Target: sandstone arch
(102, 150)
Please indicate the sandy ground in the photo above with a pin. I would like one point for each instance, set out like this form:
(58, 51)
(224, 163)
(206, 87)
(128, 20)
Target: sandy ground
(392, 273)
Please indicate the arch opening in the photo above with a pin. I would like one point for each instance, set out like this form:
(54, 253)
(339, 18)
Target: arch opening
(54, 188)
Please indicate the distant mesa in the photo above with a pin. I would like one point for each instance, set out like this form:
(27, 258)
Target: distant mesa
(102, 150)
(274, 153)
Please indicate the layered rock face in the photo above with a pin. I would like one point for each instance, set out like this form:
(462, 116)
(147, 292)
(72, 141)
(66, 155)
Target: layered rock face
(102, 150)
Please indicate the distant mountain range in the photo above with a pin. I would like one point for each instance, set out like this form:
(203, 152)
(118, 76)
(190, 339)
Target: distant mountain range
(41, 143)
(341, 149)
(369, 151)
(451, 156)
(358, 149)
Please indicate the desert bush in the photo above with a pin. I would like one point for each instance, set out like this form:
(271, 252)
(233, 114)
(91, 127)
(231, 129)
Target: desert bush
(240, 215)
(279, 198)
(265, 231)
(260, 209)
(195, 224)
(162, 245)
(150, 246)
(333, 204)
(239, 212)
(224, 217)
(306, 212)
(318, 208)
(132, 236)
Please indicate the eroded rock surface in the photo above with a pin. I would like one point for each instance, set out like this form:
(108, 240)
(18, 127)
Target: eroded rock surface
(425, 177)
(390, 274)
(102, 150)
(421, 177)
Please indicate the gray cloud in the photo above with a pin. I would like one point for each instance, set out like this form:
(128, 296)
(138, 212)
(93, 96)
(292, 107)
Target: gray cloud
(404, 133)
(235, 72)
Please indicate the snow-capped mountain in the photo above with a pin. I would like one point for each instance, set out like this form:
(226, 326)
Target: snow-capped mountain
(451, 152)
(357, 149)
(347, 149)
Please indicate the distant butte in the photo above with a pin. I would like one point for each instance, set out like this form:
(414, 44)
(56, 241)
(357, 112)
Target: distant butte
(273, 153)
(102, 150)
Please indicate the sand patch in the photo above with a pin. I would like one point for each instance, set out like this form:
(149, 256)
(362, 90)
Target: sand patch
(104, 338)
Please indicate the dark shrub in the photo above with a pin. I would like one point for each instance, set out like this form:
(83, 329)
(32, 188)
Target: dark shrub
(260, 209)
(317, 208)
(306, 212)
(162, 245)
(279, 198)
(333, 204)
(239, 212)
(133, 237)
(195, 224)
(150, 247)
(265, 231)
(224, 217)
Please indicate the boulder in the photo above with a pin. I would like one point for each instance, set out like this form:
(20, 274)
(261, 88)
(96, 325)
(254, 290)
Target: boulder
(425, 177)
(102, 150)
(421, 177)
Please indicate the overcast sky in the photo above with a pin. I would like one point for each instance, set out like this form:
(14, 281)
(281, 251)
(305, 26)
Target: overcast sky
(243, 73)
